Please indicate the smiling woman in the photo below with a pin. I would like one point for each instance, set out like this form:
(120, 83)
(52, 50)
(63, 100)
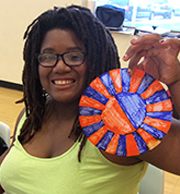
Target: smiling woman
(65, 50)
(62, 75)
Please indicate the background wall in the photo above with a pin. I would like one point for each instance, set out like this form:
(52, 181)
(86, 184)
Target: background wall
(15, 16)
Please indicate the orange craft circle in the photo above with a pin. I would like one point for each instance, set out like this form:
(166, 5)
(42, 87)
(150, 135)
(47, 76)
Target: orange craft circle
(115, 119)
(123, 114)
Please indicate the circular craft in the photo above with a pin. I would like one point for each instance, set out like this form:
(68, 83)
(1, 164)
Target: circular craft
(125, 115)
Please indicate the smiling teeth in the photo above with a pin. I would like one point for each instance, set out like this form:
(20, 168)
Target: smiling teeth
(64, 82)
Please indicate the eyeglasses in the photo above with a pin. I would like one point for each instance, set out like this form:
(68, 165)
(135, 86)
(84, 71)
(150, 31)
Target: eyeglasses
(71, 58)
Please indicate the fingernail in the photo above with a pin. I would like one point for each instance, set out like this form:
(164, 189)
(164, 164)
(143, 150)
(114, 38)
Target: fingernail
(129, 71)
(135, 38)
(125, 57)
(161, 41)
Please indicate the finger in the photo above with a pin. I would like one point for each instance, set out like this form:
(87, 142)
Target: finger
(133, 50)
(134, 61)
(172, 43)
(146, 42)
(140, 66)
(146, 39)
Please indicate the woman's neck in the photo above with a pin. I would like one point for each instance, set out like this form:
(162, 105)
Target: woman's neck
(62, 111)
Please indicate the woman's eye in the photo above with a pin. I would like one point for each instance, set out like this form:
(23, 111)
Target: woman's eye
(48, 58)
(75, 57)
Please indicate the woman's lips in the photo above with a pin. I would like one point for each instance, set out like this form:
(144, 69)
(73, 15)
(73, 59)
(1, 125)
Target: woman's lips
(63, 82)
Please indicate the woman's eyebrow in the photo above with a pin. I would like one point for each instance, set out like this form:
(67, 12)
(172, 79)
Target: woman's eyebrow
(46, 50)
(68, 49)
(75, 48)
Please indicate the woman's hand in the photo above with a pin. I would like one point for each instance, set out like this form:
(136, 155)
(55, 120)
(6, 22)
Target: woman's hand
(156, 56)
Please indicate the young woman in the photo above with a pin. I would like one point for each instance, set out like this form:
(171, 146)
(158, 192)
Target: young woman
(65, 50)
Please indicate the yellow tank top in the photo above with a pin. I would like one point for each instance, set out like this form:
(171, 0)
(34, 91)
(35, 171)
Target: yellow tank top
(21, 173)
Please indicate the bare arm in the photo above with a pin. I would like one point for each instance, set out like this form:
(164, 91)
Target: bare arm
(158, 57)
(166, 154)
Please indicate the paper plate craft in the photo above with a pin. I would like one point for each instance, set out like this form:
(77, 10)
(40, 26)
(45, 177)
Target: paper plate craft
(125, 115)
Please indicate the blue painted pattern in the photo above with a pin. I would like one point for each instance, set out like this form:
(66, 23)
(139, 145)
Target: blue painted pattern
(126, 123)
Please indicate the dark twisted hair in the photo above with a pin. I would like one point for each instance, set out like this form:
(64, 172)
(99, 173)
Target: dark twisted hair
(101, 52)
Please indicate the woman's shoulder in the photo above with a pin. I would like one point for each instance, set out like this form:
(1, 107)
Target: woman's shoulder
(19, 121)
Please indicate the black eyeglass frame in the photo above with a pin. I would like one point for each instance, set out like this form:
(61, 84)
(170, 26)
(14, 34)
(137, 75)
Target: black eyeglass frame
(62, 57)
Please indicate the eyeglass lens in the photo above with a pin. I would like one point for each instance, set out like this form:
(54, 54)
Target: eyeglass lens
(69, 58)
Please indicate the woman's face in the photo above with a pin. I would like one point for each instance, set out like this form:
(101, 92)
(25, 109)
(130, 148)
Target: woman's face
(63, 83)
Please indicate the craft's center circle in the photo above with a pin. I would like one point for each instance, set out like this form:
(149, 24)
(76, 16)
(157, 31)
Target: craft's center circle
(124, 113)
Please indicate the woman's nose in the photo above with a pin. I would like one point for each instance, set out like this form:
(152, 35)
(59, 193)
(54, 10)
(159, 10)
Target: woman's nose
(61, 66)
